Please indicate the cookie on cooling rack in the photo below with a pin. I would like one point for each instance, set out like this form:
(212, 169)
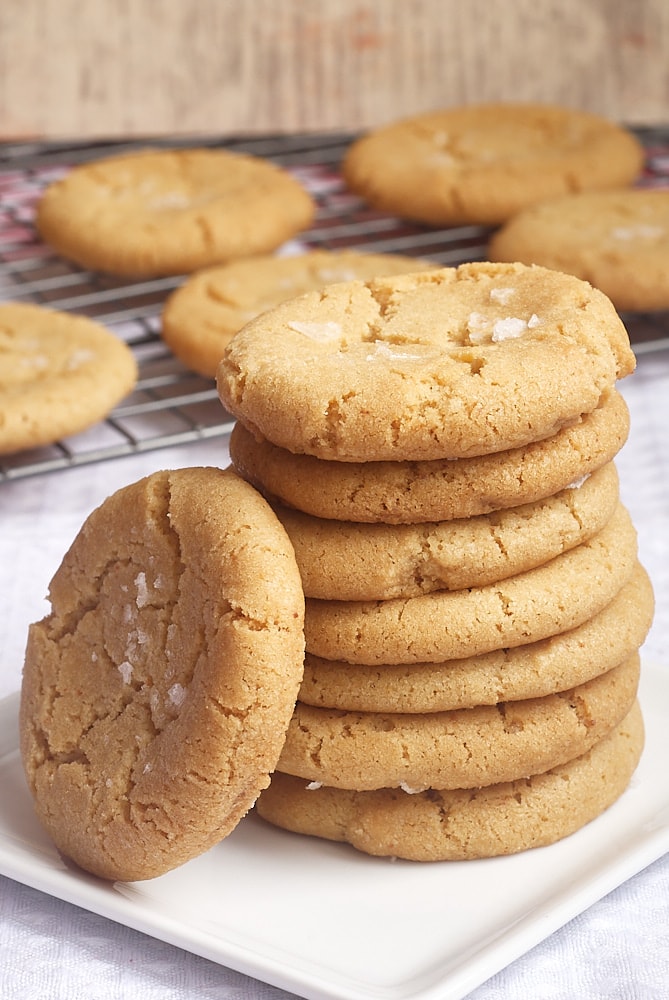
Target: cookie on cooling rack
(446, 363)
(483, 163)
(157, 692)
(60, 374)
(616, 240)
(201, 316)
(459, 825)
(411, 492)
(442, 625)
(162, 212)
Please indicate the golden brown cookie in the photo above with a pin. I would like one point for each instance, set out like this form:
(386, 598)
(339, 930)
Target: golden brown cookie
(483, 163)
(447, 363)
(157, 692)
(201, 316)
(444, 625)
(616, 240)
(531, 671)
(160, 212)
(463, 824)
(412, 492)
(466, 748)
(59, 375)
(349, 561)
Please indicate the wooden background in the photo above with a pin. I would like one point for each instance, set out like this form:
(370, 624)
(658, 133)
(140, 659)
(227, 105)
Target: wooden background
(111, 68)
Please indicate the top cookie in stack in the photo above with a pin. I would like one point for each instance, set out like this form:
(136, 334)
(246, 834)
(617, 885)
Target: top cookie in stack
(472, 414)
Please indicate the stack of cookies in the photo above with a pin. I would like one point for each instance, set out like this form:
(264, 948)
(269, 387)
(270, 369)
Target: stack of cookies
(439, 447)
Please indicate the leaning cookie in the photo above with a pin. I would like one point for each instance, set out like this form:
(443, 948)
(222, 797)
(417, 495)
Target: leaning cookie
(412, 492)
(348, 561)
(157, 692)
(483, 163)
(448, 363)
(616, 240)
(531, 671)
(60, 374)
(460, 825)
(445, 624)
(200, 318)
(466, 748)
(161, 212)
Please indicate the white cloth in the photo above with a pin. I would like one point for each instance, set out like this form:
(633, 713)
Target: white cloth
(616, 950)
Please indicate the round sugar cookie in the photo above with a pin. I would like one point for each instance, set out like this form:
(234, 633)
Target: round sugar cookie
(531, 671)
(463, 824)
(483, 163)
(447, 363)
(414, 492)
(60, 374)
(465, 748)
(616, 240)
(157, 692)
(162, 212)
(200, 318)
(348, 561)
(451, 624)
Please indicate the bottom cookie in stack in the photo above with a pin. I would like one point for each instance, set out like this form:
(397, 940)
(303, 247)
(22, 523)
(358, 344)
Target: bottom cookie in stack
(466, 823)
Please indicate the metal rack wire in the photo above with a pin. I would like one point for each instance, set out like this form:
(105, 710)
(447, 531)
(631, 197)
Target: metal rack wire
(171, 405)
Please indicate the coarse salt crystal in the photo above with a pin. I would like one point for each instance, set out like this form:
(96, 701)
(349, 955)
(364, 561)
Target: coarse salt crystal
(636, 232)
(409, 790)
(508, 329)
(176, 694)
(142, 590)
(383, 350)
(78, 358)
(321, 332)
(501, 295)
(314, 785)
(578, 482)
(125, 670)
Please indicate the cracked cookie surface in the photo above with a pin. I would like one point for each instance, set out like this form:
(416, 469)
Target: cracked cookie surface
(59, 374)
(200, 318)
(157, 692)
(168, 212)
(448, 363)
(485, 162)
(458, 825)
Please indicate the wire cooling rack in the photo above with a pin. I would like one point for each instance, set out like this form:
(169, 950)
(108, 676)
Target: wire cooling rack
(171, 405)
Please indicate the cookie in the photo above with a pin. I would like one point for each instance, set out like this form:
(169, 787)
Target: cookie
(60, 374)
(483, 163)
(162, 212)
(412, 492)
(348, 561)
(448, 363)
(466, 748)
(445, 625)
(157, 692)
(463, 824)
(616, 240)
(200, 318)
(531, 671)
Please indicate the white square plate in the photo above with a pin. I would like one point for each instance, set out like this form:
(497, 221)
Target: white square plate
(323, 921)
